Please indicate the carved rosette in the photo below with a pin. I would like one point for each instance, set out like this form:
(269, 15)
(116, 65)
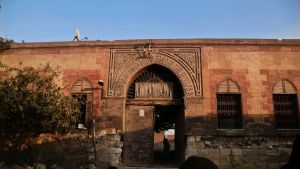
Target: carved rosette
(185, 63)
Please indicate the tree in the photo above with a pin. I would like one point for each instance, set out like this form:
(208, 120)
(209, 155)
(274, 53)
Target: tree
(32, 103)
(5, 44)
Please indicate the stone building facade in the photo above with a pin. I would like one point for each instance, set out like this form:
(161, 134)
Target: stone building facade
(234, 101)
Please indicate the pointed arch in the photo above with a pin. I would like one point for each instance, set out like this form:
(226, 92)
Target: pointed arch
(82, 85)
(228, 86)
(284, 86)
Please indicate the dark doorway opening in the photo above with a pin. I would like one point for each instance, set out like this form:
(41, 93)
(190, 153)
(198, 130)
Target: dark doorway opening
(168, 135)
(82, 101)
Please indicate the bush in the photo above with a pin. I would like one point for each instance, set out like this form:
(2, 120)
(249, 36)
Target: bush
(32, 103)
(5, 44)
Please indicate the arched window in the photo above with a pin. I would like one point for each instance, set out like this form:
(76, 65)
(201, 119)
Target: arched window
(229, 105)
(82, 91)
(285, 105)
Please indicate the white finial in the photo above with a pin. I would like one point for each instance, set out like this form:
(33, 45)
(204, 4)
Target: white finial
(77, 36)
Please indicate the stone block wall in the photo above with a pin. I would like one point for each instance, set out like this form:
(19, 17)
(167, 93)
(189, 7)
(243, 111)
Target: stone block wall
(109, 149)
(249, 152)
(70, 150)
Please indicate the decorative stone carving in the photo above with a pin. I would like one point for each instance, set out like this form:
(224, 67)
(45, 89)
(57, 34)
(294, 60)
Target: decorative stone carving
(156, 90)
(184, 62)
(113, 101)
(193, 100)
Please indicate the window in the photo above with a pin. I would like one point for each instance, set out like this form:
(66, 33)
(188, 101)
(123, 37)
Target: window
(229, 105)
(285, 105)
(82, 91)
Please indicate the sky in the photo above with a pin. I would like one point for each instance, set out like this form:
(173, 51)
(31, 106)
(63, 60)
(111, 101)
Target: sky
(57, 20)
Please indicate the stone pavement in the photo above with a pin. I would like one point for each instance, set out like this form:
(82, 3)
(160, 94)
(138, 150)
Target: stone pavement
(152, 167)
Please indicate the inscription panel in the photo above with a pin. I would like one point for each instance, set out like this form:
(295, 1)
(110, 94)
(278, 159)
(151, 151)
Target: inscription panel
(153, 90)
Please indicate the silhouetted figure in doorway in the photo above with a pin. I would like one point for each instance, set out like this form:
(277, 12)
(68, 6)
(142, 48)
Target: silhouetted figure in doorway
(166, 148)
(294, 162)
(195, 162)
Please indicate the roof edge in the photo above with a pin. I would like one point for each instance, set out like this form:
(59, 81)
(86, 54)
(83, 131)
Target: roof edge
(206, 41)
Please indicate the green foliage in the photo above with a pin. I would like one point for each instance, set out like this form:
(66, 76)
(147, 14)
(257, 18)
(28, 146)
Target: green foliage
(31, 101)
(5, 44)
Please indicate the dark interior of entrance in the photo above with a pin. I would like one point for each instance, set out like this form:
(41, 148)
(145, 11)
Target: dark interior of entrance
(167, 134)
(82, 101)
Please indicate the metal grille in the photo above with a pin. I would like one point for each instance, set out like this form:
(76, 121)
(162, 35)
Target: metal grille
(229, 111)
(156, 73)
(286, 111)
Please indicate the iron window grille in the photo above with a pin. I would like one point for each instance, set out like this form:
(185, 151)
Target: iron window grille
(286, 111)
(285, 101)
(229, 111)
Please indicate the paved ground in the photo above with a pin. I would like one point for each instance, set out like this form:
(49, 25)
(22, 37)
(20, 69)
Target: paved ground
(153, 167)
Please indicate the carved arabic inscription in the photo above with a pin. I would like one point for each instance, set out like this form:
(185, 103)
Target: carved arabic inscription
(155, 90)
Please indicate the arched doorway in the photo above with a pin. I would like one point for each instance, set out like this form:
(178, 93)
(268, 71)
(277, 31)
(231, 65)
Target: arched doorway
(154, 118)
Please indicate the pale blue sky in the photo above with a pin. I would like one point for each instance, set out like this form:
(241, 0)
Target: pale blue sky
(56, 20)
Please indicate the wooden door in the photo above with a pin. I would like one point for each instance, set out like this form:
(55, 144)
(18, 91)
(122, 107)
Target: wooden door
(138, 136)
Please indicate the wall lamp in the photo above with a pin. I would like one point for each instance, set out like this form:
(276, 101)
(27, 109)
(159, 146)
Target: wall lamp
(101, 84)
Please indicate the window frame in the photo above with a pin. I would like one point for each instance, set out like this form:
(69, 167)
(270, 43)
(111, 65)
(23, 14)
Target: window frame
(283, 85)
(229, 91)
(297, 113)
(84, 87)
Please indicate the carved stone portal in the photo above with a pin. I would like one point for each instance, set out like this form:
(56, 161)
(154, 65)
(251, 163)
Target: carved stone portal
(184, 62)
